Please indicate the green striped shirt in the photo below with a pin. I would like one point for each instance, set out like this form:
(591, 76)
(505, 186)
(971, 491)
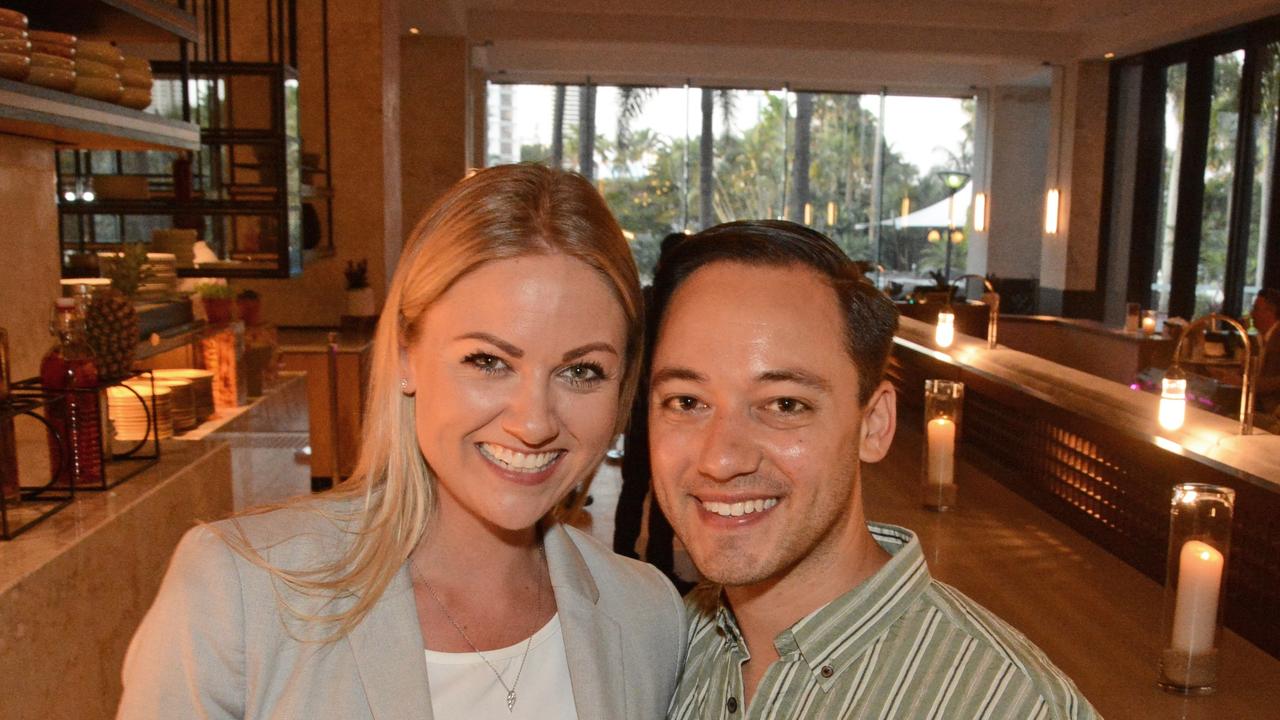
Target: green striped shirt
(900, 645)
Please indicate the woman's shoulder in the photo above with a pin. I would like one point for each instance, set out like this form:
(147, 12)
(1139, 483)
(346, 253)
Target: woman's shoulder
(622, 580)
(293, 536)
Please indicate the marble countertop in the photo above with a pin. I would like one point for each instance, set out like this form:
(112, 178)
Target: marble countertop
(316, 340)
(1205, 437)
(90, 511)
(1092, 326)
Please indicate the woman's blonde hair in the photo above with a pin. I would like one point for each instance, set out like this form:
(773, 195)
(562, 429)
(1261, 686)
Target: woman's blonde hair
(499, 213)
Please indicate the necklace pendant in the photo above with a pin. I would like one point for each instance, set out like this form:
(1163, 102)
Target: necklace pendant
(511, 700)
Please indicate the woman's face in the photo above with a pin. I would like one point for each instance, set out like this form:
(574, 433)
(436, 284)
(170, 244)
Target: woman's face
(516, 372)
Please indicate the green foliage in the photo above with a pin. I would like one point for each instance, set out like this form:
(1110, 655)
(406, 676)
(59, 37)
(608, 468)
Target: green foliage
(128, 271)
(215, 291)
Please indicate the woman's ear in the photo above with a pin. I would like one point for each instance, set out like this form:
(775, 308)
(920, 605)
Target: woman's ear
(879, 421)
(408, 384)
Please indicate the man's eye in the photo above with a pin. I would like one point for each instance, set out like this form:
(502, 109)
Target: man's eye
(682, 403)
(789, 406)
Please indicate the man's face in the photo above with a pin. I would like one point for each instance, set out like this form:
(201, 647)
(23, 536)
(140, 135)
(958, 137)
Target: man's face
(1263, 315)
(755, 424)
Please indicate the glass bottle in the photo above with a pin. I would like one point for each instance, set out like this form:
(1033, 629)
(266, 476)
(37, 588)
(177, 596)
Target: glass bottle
(10, 489)
(69, 368)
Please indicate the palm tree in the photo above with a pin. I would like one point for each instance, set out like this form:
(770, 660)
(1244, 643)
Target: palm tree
(800, 168)
(557, 129)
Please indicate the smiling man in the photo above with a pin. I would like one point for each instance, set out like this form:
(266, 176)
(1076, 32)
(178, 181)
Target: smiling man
(767, 393)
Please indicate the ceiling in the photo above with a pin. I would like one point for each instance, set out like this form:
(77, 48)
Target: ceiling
(927, 46)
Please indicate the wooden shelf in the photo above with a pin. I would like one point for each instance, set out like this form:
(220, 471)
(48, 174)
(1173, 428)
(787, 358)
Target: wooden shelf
(33, 111)
(135, 21)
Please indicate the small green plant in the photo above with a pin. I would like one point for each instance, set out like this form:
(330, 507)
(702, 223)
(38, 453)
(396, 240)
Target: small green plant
(215, 291)
(357, 274)
(128, 271)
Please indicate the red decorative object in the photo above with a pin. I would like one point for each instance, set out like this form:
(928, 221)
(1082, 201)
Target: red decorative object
(69, 372)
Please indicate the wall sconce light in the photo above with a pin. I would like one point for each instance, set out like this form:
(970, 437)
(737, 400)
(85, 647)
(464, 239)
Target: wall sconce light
(1173, 399)
(980, 212)
(1051, 199)
(946, 331)
(831, 214)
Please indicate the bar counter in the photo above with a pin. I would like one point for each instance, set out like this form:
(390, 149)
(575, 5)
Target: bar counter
(74, 588)
(1090, 453)
(1096, 617)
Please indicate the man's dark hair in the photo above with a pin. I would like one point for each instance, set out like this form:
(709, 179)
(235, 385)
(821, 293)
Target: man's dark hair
(870, 317)
(1271, 296)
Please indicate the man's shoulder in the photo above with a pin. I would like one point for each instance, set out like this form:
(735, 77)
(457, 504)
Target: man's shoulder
(991, 642)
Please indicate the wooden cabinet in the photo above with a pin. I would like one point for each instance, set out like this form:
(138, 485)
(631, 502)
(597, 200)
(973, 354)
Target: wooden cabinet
(307, 350)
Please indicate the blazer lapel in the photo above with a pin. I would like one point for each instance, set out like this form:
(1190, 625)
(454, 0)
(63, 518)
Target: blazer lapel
(388, 651)
(592, 639)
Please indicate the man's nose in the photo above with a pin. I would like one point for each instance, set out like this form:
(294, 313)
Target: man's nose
(728, 448)
(531, 416)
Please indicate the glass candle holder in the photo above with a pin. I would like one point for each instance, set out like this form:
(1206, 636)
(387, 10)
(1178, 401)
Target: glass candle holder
(943, 402)
(1148, 322)
(1199, 546)
(945, 333)
(1132, 316)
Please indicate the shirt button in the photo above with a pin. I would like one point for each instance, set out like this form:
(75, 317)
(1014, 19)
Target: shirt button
(827, 671)
(732, 705)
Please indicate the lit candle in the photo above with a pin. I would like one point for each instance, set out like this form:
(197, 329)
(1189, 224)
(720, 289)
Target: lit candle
(946, 332)
(942, 450)
(1148, 324)
(1195, 614)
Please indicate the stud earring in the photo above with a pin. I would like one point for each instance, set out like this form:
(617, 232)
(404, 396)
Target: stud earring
(404, 386)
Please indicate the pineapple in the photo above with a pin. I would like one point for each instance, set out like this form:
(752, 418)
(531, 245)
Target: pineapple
(112, 326)
(110, 320)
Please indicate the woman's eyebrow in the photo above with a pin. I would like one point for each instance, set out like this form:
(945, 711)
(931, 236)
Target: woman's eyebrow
(576, 353)
(501, 344)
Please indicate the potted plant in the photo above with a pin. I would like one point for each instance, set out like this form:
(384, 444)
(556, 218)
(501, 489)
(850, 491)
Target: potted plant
(360, 300)
(249, 305)
(216, 299)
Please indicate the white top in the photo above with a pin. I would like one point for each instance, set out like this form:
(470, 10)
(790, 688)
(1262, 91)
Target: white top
(463, 686)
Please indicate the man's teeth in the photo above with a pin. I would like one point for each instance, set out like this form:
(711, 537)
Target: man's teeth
(746, 507)
(518, 461)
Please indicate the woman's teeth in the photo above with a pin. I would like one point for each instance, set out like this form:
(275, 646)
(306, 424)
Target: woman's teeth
(746, 507)
(518, 461)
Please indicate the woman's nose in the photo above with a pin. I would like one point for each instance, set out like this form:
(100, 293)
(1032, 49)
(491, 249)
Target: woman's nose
(530, 416)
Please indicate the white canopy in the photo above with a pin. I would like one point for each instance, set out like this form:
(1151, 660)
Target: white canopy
(935, 215)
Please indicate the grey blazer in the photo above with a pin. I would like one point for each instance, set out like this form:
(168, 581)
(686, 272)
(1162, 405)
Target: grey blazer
(216, 644)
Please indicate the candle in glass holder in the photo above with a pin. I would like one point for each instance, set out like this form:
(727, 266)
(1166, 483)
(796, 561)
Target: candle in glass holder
(1195, 614)
(1199, 544)
(1149, 322)
(942, 451)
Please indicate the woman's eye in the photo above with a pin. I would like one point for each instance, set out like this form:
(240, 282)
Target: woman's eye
(583, 374)
(485, 362)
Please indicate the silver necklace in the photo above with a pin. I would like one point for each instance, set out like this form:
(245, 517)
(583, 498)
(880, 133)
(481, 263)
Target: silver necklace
(511, 689)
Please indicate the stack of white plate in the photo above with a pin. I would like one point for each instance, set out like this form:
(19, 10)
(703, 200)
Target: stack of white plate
(183, 401)
(129, 407)
(201, 388)
(163, 273)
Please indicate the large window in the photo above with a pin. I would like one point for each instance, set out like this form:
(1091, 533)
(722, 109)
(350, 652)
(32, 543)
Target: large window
(677, 159)
(1207, 182)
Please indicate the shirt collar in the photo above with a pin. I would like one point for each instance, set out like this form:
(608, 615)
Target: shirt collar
(831, 637)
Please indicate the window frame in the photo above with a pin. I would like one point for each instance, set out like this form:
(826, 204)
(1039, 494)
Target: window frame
(1198, 54)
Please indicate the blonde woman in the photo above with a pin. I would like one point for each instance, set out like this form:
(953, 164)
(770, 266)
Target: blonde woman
(437, 582)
